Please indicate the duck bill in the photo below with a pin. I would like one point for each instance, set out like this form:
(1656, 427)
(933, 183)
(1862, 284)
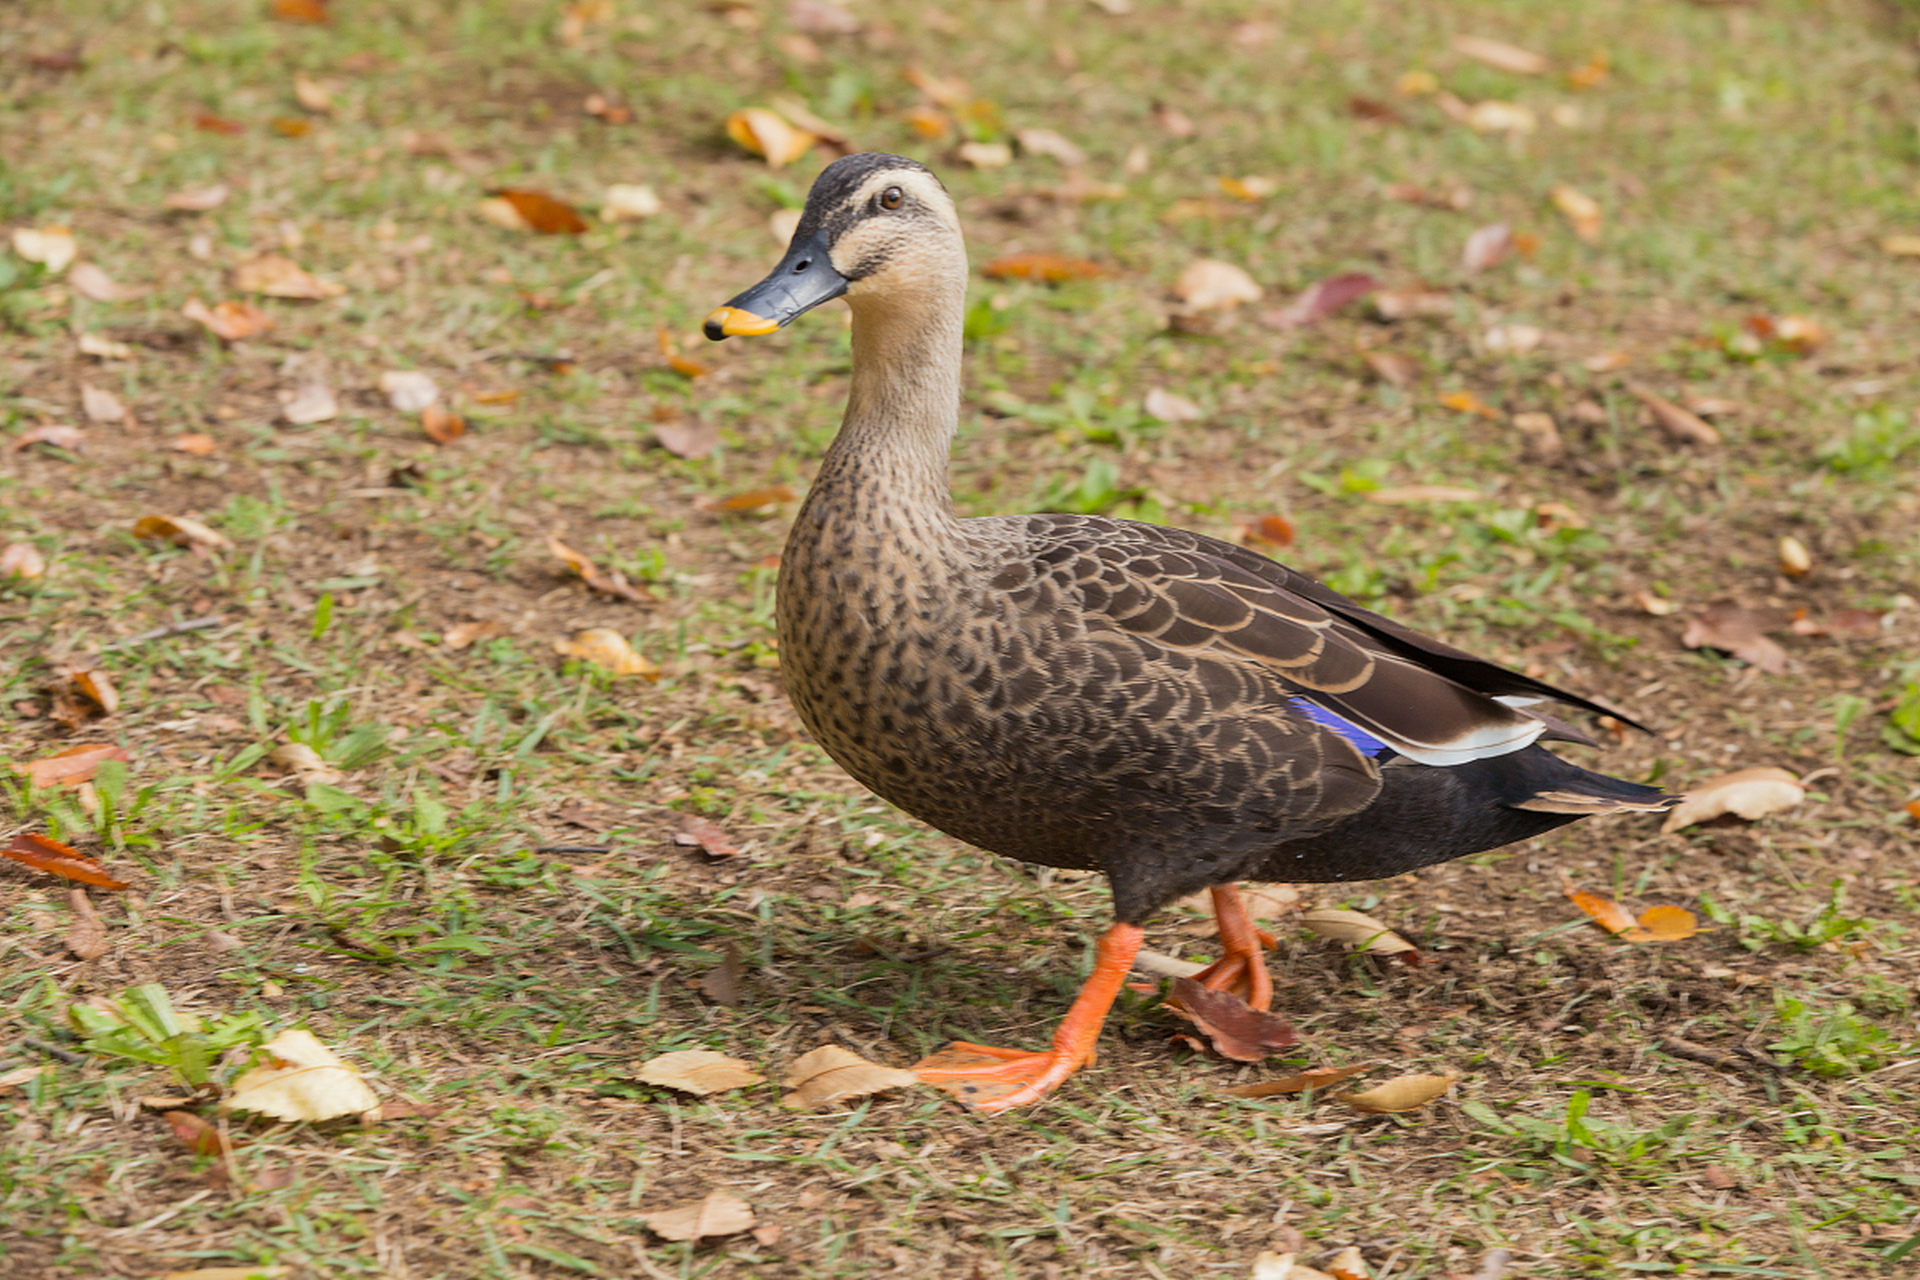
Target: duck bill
(804, 279)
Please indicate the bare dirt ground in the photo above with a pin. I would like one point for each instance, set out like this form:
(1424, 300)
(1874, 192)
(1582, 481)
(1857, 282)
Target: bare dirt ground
(475, 892)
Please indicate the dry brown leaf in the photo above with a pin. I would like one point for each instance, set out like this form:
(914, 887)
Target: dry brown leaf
(304, 764)
(1795, 560)
(1400, 495)
(831, 1074)
(1357, 930)
(52, 247)
(22, 562)
(312, 95)
(259, 1272)
(629, 202)
(1269, 1265)
(821, 18)
(308, 12)
(610, 582)
(1498, 53)
(1047, 268)
(89, 281)
(697, 1071)
(409, 390)
(1347, 1264)
(1487, 246)
(101, 405)
(87, 678)
(1270, 531)
(198, 1136)
(1745, 793)
(228, 321)
(1668, 924)
(770, 136)
(1317, 1079)
(1402, 1093)
(1234, 1028)
(1211, 285)
(751, 500)
(1513, 339)
(49, 855)
(312, 400)
(707, 835)
(73, 766)
(197, 443)
(1406, 304)
(1604, 911)
(519, 209)
(1491, 116)
(180, 531)
(1901, 246)
(465, 634)
(1541, 437)
(687, 439)
(92, 344)
(721, 1214)
(1607, 362)
(1454, 196)
(1169, 407)
(1683, 427)
(278, 276)
(1392, 367)
(442, 426)
(1045, 142)
(20, 1075)
(306, 1081)
(607, 649)
(86, 938)
(1581, 211)
(985, 155)
(1320, 300)
(207, 122)
(721, 984)
(197, 199)
(1738, 631)
(1841, 624)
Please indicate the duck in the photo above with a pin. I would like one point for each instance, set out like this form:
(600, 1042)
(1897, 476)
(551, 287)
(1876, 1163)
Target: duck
(1170, 709)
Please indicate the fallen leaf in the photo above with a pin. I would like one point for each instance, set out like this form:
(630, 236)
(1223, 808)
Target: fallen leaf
(612, 582)
(89, 281)
(92, 344)
(228, 321)
(1392, 367)
(278, 276)
(1402, 1093)
(1211, 285)
(1796, 335)
(304, 764)
(986, 155)
(1592, 73)
(831, 1074)
(1321, 299)
(311, 401)
(201, 1138)
(1406, 304)
(1494, 116)
(86, 937)
(1681, 426)
(86, 677)
(1842, 624)
(180, 531)
(1347, 1264)
(465, 634)
(697, 1071)
(101, 405)
(769, 135)
(207, 122)
(1045, 142)
(308, 12)
(721, 1214)
(1668, 924)
(821, 18)
(1047, 268)
(1512, 339)
(291, 126)
(1738, 631)
(1168, 407)
(688, 439)
(751, 500)
(197, 199)
(1581, 211)
(1401, 495)
(1455, 196)
(73, 766)
(1901, 246)
(442, 426)
(519, 209)
(52, 247)
(1234, 1028)
(707, 835)
(22, 562)
(1364, 108)
(20, 1075)
(1607, 362)
(54, 858)
(1795, 560)
(608, 649)
(1299, 1082)
(307, 1081)
(1541, 435)
(628, 202)
(1605, 912)
(409, 390)
(197, 443)
(1486, 246)
(1745, 793)
(1357, 930)
(1498, 53)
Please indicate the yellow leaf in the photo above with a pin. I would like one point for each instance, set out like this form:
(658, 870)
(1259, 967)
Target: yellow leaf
(1212, 285)
(607, 648)
(1402, 1093)
(1901, 246)
(307, 1081)
(769, 136)
(52, 247)
(1605, 912)
(1355, 929)
(1669, 924)
(1581, 211)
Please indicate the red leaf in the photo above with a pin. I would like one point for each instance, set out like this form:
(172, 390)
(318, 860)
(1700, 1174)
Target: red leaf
(73, 766)
(1235, 1028)
(51, 856)
(1321, 299)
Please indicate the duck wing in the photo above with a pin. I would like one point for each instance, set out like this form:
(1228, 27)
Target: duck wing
(1187, 593)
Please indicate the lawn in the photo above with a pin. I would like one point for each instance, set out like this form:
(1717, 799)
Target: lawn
(1657, 442)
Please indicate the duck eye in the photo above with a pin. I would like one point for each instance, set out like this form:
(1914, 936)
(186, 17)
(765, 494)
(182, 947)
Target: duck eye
(892, 198)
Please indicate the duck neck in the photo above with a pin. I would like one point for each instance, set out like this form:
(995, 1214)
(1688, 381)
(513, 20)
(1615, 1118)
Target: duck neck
(902, 407)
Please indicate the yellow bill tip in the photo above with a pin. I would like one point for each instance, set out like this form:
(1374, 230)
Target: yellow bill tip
(733, 322)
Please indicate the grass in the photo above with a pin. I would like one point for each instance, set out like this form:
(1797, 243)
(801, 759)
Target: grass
(421, 912)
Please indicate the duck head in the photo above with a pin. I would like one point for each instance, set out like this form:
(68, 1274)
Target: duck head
(878, 230)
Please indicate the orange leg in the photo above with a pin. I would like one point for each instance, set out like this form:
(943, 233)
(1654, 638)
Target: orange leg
(1242, 966)
(1035, 1075)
